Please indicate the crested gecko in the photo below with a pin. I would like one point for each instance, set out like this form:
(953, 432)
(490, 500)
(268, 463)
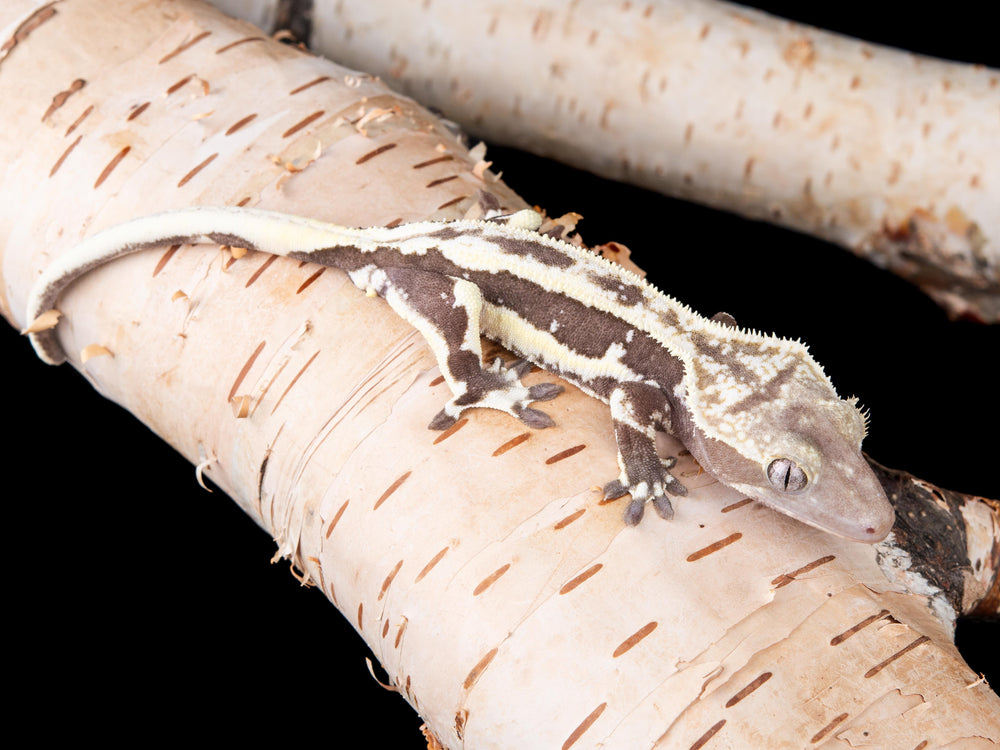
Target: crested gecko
(757, 412)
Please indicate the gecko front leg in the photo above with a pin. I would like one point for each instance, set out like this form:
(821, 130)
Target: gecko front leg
(446, 310)
(637, 410)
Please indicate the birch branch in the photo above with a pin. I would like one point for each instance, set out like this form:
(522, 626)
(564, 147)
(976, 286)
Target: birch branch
(887, 153)
(505, 602)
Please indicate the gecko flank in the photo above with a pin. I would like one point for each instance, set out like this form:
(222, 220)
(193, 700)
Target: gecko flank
(757, 412)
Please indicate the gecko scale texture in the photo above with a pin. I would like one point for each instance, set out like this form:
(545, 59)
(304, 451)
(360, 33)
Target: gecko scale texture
(756, 411)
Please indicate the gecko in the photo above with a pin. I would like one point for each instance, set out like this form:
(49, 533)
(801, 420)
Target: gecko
(756, 411)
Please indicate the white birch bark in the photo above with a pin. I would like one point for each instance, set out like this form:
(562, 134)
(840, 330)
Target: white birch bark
(887, 153)
(509, 606)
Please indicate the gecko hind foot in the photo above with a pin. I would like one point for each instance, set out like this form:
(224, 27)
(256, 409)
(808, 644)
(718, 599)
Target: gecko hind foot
(499, 387)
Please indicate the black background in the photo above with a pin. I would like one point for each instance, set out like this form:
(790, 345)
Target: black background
(127, 620)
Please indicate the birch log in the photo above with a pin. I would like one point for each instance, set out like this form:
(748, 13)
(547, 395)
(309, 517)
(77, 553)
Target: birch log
(504, 601)
(890, 154)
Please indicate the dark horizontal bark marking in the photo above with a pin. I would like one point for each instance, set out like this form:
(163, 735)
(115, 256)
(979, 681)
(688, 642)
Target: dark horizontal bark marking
(230, 257)
(263, 267)
(736, 505)
(33, 21)
(184, 47)
(481, 665)
(634, 639)
(712, 731)
(241, 123)
(827, 729)
(238, 42)
(563, 523)
(336, 518)
(430, 565)
(180, 84)
(714, 547)
(375, 152)
(305, 86)
(391, 489)
(756, 683)
(62, 157)
(583, 726)
(244, 370)
(490, 579)
(164, 259)
(436, 160)
(561, 455)
(304, 123)
(62, 97)
(452, 202)
(838, 639)
(399, 637)
(786, 578)
(451, 430)
(115, 161)
(572, 583)
(512, 443)
(76, 123)
(294, 381)
(310, 280)
(883, 664)
(388, 582)
(190, 175)
(136, 111)
(441, 181)
(260, 480)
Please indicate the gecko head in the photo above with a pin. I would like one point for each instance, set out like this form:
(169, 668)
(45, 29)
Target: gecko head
(804, 460)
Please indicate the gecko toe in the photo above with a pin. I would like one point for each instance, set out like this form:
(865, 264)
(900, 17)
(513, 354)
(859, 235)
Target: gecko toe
(634, 512)
(614, 490)
(520, 367)
(535, 419)
(544, 391)
(663, 507)
(674, 487)
(442, 421)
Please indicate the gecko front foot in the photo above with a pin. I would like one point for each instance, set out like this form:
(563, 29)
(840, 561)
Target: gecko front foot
(644, 484)
(637, 410)
(499, 387)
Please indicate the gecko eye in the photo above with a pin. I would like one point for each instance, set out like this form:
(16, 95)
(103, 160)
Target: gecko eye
(786, 475)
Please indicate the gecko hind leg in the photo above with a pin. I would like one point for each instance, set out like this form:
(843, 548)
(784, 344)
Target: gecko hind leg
(637, 410)
(446, 311)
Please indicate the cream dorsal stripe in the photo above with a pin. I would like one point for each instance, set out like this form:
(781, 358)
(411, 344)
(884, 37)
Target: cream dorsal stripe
(756, 411)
